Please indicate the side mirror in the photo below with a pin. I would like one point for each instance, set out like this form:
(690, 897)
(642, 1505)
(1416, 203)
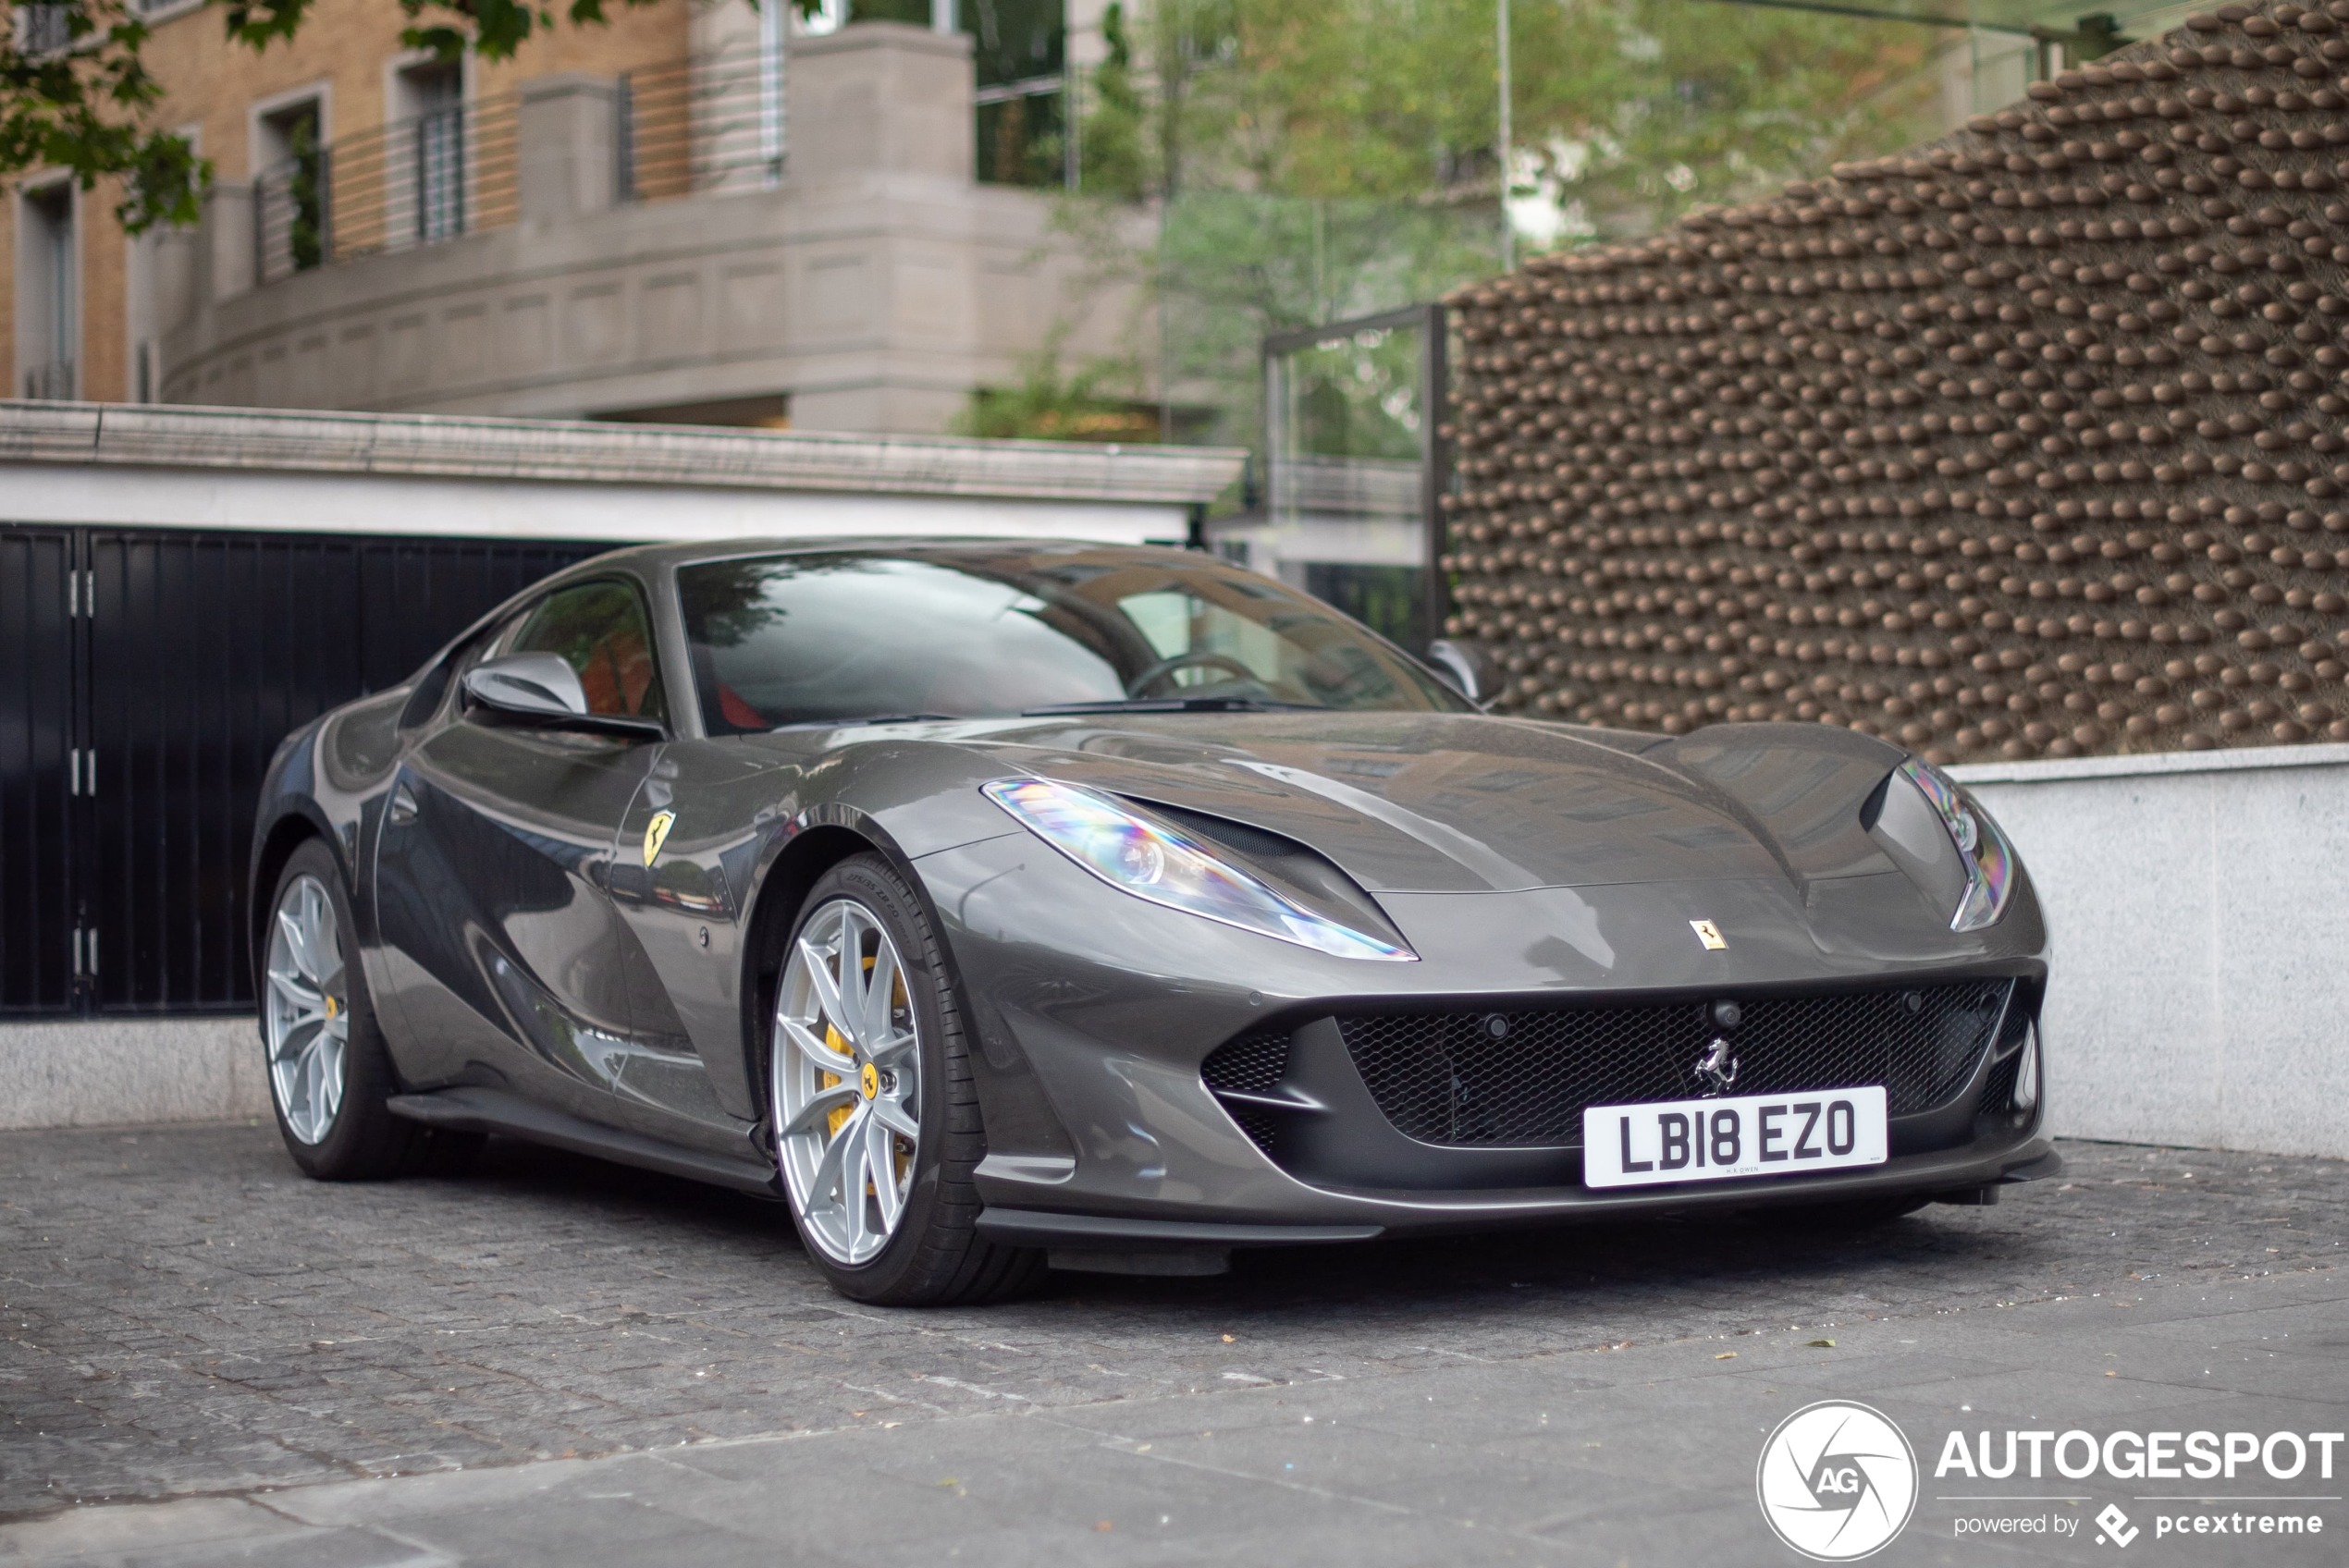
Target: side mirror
(543, 688)
(1465, 668)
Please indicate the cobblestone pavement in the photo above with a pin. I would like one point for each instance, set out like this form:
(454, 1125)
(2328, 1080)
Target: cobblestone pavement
(182, 1316)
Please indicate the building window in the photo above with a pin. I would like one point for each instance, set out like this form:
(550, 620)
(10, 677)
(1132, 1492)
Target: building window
(43, 30)
(435, 95)
(1019, 55)
(51, 313)
(1019, 48)
(292, 192)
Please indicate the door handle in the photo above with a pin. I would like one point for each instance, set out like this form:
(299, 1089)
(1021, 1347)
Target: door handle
(403, 805)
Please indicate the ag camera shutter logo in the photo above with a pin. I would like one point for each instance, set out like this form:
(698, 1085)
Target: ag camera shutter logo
(1837, 1481)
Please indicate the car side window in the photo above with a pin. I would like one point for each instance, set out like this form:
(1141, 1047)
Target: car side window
(601, 631)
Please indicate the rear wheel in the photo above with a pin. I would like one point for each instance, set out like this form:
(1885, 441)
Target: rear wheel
(877, 1121)
(329, 1073)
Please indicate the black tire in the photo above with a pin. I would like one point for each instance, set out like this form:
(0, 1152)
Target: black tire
(936, 1257)
(363, 1142)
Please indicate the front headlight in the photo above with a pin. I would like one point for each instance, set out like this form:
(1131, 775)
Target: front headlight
(1159, 861)
(1989, 859)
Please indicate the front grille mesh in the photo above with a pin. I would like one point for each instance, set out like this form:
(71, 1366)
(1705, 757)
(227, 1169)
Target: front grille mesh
(1260, 1125)
(1997, 1090)
(1251, 1064)
(1521, 1078)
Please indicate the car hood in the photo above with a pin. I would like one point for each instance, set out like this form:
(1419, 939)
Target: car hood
(1458, 802)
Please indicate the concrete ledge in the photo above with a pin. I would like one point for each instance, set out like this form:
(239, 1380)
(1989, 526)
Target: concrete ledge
(2056, 769)
(572, 452)
(2199, 994)
(100, 1073)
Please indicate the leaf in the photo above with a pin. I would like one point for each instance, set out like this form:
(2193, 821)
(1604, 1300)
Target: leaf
(1820, 1344)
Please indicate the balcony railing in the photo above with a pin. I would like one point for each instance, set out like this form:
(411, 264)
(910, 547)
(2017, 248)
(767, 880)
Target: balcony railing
(687, 130)
(55, 381)
(713, 124)
(442, 174)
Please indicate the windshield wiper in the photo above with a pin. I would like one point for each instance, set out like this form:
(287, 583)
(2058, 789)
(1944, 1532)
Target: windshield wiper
(1173, 704)
(854, 720)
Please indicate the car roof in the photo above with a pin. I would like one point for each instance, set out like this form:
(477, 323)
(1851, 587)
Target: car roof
(653, 558)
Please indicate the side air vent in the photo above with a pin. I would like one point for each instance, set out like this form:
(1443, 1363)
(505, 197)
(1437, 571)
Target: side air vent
(1250, 1064)
(1997, 1091)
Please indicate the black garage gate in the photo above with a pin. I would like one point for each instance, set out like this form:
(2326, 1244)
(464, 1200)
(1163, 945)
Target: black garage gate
(145, 678)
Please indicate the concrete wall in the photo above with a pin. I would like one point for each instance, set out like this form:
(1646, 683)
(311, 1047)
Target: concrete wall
(120, 1071)
(2201, 994)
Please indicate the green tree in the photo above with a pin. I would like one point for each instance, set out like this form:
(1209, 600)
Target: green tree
(306, 195)
(1091, 403)
(1310, 160)
(1116, 119)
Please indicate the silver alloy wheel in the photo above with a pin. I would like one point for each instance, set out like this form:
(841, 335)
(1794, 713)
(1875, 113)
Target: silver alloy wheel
(306, 1015)
(847, 1081)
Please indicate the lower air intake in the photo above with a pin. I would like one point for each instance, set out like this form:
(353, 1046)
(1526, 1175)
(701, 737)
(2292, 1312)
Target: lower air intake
(1522, 1078)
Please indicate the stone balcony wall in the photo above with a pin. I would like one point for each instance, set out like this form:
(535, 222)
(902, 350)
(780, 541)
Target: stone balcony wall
(875, 287)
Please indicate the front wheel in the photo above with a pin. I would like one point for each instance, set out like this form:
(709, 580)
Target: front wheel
(329, 1073)
(876, 1121)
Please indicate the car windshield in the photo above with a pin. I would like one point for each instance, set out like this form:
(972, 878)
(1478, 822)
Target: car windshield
(835, 637)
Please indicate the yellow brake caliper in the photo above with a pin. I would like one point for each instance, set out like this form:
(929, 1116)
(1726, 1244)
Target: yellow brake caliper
(833, 1040)
(838, 1114)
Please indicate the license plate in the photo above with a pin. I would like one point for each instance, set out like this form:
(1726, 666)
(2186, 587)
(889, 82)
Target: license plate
(1639, 1145)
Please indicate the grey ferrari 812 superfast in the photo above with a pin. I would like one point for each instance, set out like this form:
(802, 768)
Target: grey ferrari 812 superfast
(1006, 905)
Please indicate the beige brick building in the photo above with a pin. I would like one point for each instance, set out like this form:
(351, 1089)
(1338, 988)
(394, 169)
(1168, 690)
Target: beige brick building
(698, 212)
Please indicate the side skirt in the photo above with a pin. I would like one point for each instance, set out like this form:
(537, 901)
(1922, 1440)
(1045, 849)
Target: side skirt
(494, 1111)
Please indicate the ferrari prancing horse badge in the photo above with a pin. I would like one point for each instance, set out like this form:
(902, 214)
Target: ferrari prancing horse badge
(1706, 932)
(657, 834)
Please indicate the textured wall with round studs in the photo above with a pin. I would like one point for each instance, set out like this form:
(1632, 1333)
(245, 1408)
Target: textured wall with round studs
(2034, 442)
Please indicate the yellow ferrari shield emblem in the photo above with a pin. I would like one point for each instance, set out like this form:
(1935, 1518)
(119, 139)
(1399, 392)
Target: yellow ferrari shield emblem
(868, 1080)
(657, 834)
(1709, 934)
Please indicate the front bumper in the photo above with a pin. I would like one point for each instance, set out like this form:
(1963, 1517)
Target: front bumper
(1103, 1137)
(1964, 1176)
